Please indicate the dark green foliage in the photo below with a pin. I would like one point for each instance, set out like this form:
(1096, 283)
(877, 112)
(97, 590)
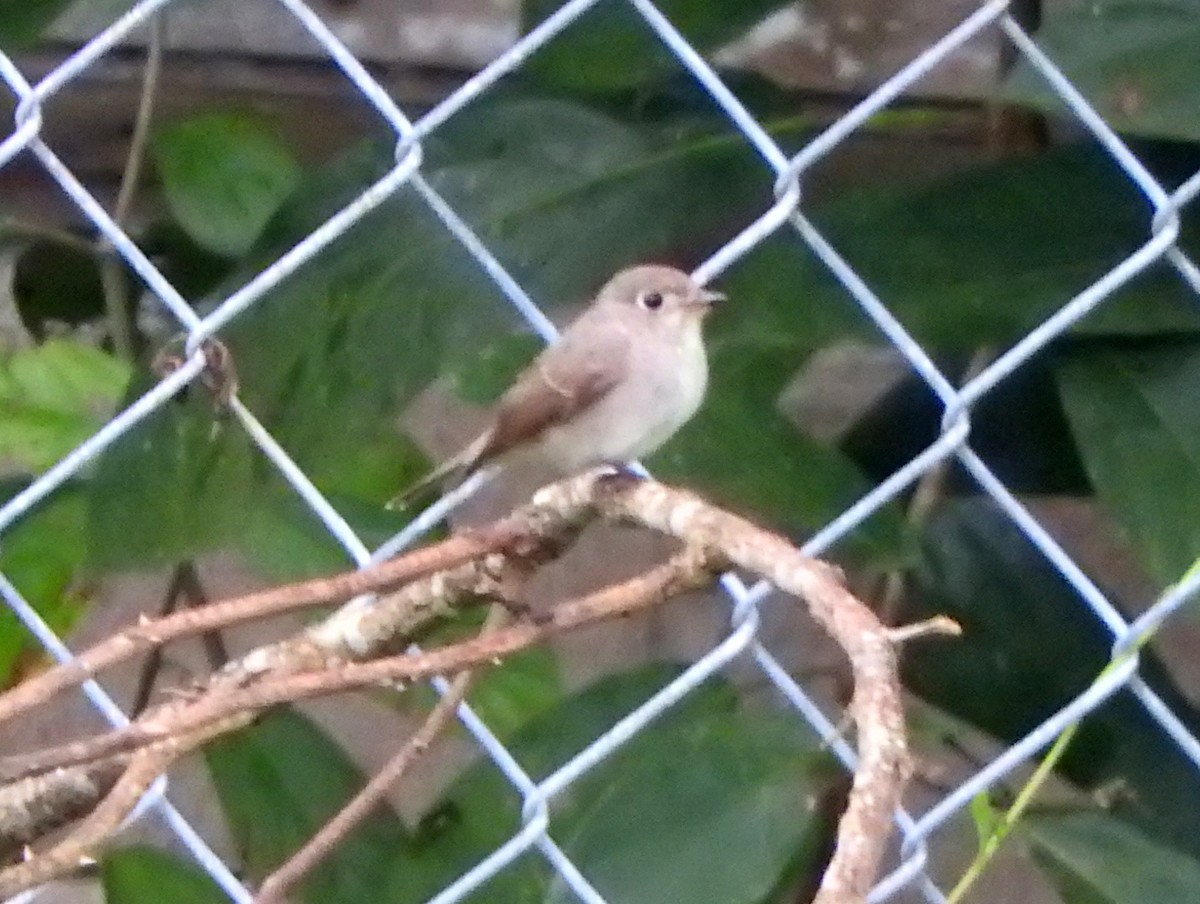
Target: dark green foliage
(597, 153)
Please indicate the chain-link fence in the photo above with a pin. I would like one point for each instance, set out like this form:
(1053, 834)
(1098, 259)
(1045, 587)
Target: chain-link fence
(786, 214)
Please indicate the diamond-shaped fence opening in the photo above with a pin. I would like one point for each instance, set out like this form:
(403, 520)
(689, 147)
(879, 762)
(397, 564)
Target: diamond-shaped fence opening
(786, 215)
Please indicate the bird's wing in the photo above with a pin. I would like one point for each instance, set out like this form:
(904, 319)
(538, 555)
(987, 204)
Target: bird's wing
(565, 379)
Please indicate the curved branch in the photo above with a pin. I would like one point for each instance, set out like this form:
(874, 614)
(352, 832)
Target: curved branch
(336, 654)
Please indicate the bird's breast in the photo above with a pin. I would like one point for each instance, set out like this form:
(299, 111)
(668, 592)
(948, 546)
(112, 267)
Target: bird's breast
(659, 395)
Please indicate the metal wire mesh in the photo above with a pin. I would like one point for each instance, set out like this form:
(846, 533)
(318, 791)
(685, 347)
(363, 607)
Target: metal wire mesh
(784, 214)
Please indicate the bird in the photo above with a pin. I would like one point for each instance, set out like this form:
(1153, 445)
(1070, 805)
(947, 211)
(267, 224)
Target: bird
(622, 378)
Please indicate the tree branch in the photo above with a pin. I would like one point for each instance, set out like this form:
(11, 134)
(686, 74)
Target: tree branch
(511, 534)
(336, 655)
(374, 793)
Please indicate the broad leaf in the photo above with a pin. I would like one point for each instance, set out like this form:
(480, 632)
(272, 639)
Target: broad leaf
(1134, 60)
(1020, 621)
(180, 482)
(42, 555)
(506, 697)
(565, 195)
(284, 540)
(481, 379)
(521, 689)
(145, 875)
(709, 804)
(279, 782)
(982, 257)
(1095, 859)
(52, 397)
(22, 21)
(224, 176)
(1029, 646)
(1134, 416)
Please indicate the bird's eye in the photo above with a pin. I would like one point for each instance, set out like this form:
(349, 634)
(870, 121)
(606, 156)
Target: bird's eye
(651, 301)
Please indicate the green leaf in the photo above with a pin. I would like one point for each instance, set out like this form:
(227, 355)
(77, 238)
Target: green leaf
(612, 48)
(1134, 60)
(187, 480)
(42, 555)
(522, 688)
(981, 257)
(22, 21)
(639, 826)
(566, 195)
(68, 375)
(52, 397)
(1019, 620)
(279, 782)
(1029, 646)
(145, 875)
(482, 378)
(1095, 859)
(506, 696)
(289, 543)
(224, 176)
(194, 271)
(285, 541)
(984, 817)
(180, 482)
(199, 484)
(1134, 417)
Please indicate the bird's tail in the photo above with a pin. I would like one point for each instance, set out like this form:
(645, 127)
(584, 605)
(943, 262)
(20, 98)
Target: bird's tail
(455, 469)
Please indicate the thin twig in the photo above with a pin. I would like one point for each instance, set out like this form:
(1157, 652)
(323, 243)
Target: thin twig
(151, 633)
(928, 492)
(170, 732)
(149, 672)
(375, 792)
(184, 586)
(650, 588)
(112, 269)
(329, 657)
(141, 124)
(938, 626)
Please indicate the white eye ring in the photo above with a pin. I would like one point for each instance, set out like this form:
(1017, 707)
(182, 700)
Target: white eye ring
(651, 301)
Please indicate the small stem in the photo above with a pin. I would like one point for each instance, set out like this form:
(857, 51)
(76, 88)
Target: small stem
(374, 794)
(1029, 790)
(929, 491)
(113, 277)
(149, 672)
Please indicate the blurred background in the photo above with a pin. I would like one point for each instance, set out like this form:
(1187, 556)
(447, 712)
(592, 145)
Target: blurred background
(975, 207)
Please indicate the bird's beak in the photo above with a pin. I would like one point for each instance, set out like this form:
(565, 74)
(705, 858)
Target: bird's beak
(706, 298)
